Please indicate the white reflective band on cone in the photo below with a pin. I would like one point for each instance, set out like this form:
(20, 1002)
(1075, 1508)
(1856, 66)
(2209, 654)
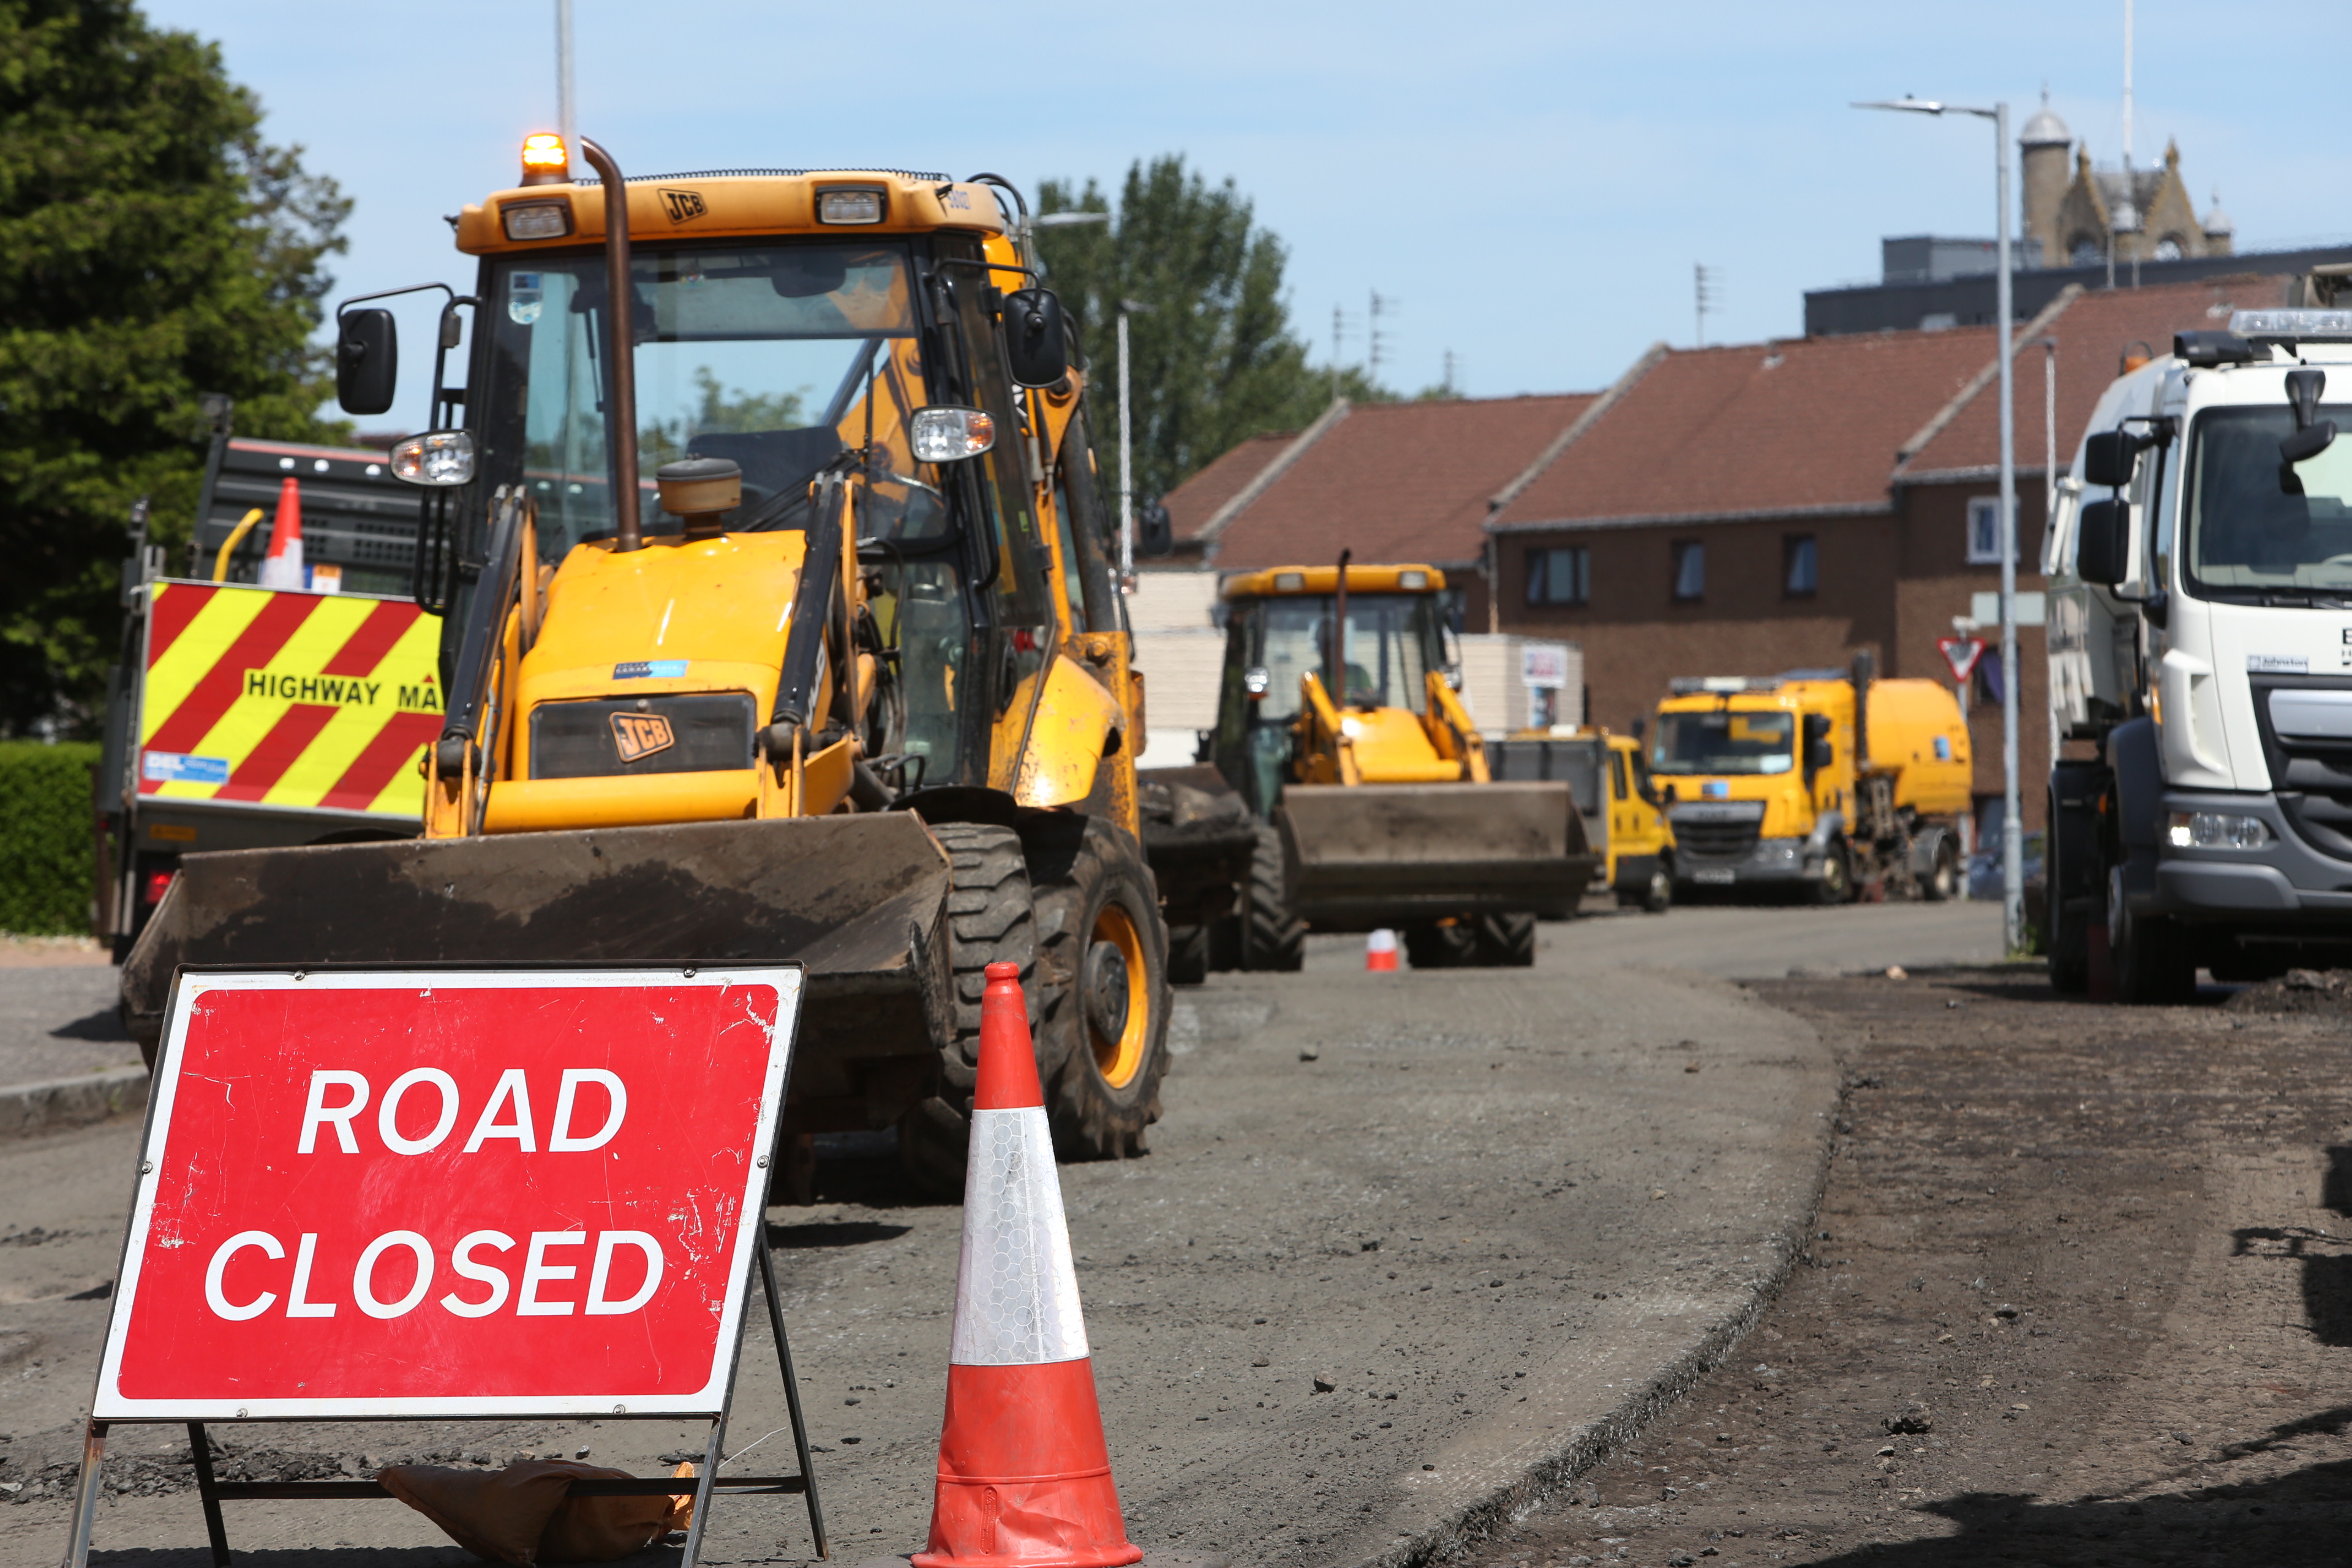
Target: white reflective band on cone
(1017, 1302)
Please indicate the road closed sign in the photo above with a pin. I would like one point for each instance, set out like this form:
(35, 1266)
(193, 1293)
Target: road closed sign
(482, 1192)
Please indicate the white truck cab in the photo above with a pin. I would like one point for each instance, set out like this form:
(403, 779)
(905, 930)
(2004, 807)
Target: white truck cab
(2200, 567)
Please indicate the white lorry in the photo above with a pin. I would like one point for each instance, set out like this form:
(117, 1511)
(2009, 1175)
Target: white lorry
(2200, 569)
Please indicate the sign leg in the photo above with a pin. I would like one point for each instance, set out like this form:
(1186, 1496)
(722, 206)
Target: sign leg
(792, 1394)
(702, 1485)
(202, 1452)
(93, 1467)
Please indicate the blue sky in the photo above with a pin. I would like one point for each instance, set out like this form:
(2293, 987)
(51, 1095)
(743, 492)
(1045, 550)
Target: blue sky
(1532, 182)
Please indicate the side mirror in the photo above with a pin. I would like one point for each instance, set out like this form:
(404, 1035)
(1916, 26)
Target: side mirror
(1036, 341)
(1819, 752)
(2108, 457)
(1155, 531)
(367, 361)
(2103, 543)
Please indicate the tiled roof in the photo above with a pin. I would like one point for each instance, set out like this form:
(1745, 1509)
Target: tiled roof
(1196, 501)
(1397, 481)
(2094, 332)
(1804, 425)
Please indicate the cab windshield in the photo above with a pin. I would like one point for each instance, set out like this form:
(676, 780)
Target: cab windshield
(1724, 741)
(2257, 528)
(1393, 640)
(777, 357)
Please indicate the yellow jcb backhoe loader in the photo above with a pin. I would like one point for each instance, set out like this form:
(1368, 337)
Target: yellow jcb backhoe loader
(1338, 724)
(846, 683)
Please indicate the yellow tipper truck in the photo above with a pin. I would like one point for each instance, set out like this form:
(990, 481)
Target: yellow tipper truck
(842, 680)
(1624, 818)
(1826, 782)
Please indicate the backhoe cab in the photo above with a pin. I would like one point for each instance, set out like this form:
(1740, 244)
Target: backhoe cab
(780, 623)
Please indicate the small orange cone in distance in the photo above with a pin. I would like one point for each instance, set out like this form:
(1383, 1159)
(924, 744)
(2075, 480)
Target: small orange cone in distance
(1379, 953)
(282, 567)
(1025, 1475)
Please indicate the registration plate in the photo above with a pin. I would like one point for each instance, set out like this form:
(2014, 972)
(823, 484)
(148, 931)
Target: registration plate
(1712, 874)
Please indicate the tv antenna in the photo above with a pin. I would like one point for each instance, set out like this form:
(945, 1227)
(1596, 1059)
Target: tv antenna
(1703, 296)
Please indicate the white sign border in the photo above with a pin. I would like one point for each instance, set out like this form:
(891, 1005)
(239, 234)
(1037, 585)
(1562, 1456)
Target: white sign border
(109, 1404)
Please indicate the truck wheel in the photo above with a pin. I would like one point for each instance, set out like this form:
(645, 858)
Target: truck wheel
(1659, 896)
(2151, 961)
(1433, 945)
(1188, 954)
(1942, 884)
(1836, 885)
(1272, 938)
(990, 920)
(1505, 942)
(1102, 992)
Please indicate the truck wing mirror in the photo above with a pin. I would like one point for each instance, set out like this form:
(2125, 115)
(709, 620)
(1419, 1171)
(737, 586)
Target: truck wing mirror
(1818, 750)
(367, 361)
(2108, 457)
(1036, 340)
(1155, 531)
(2103, 543)
(2312, 435)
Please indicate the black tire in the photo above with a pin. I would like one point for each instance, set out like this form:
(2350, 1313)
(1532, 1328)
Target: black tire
(1942, 883)
(990, 920)
(2151, 959)
(1505, 942)
(1102, 954)
(1658, 897)
(1188, 954)
(1836, 886)
(1272, 937)
(1429, 945)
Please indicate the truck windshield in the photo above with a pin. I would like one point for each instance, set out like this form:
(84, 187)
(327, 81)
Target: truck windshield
(2255, 530)
(1393, 642)
(776, 356)
(1723, 741)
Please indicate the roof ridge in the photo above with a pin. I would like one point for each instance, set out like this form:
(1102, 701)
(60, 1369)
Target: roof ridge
(1242, 500)
(1943, 417)
(1576, 428)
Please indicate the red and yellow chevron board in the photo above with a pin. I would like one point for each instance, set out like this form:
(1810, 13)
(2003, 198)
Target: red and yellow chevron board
(262, 699)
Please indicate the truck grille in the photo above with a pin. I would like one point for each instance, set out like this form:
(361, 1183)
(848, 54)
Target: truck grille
(688, 732)
(2307, 730)
(1717, 832)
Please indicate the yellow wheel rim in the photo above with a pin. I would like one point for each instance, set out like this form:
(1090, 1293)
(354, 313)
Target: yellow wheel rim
(1119, 1060)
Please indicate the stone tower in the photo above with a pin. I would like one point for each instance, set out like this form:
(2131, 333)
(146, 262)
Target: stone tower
(2042, 152)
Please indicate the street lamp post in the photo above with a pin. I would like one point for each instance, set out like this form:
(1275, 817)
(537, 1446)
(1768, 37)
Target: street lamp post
(2013, 831)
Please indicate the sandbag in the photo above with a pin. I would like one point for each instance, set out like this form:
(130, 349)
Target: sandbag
(524, 1516)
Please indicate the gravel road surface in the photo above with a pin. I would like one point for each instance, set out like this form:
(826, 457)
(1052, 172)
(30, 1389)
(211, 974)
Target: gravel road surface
(1502, 1214)
(2076, 1296)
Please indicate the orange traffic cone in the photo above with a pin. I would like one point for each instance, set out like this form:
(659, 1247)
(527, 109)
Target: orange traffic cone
(282, 567)
(1025, 1475)
(1379, 953)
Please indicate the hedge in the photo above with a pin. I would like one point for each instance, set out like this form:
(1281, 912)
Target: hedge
(47, 856)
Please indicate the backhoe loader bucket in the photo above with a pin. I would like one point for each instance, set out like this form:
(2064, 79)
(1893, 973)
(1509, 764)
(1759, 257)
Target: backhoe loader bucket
(1365, 856)
(861, 900)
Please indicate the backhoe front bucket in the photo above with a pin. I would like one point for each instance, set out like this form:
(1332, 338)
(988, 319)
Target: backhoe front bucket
(1365, 856)
(860, 900)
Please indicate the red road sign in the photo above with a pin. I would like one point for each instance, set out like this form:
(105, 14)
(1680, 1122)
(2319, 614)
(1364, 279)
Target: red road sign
(485, 1193)
(1961, 654)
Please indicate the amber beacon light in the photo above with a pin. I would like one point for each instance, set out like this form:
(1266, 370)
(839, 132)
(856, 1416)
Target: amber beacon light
(545, 159)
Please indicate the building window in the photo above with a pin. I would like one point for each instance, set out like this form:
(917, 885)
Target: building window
(1984, 530)
(1801, 573)
(1560, 576)
(1690, 570)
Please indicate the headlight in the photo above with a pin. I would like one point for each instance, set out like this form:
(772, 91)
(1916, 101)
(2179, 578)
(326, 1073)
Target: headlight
(435, 457)
(949, 434)
(2216, 830)
(866, 206)
(1782, 851)
(537, 220)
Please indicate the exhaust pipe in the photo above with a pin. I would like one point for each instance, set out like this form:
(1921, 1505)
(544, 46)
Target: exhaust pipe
(628, 533)
(1865, 670)
(1335, 678)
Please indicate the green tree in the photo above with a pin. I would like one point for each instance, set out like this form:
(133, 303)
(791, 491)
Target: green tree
(152, 247)
(1212, 359)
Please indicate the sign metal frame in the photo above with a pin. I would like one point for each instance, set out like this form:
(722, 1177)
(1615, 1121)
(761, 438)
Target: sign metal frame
(714, 1402)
